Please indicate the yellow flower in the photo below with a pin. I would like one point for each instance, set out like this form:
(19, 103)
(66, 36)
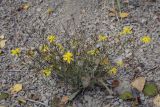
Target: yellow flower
(102, 37)
(145, 39)
(126, 30)
(15, 52)
(93, 52)
(44, 48)
(51, 38)
(46, 72)
(113, 71)
(68, 57)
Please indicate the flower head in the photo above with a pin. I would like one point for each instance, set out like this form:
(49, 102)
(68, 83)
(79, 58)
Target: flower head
(113, 71)
(145, 39)
(44, 48)
(68, 57)
(93, 52)
(51, 38)
(15, 52)
(102, 37)
(46, 72)
(126, 30)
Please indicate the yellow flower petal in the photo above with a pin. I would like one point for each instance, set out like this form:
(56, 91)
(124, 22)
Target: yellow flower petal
(46, 72)
(102, 37)
(126, 30)
(51, 38)
(113, 71)
(15, 52)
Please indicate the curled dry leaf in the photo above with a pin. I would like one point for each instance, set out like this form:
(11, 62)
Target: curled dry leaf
(50, 10)
(115, 83)
(1, 37)
(138, 83)
(2, 41)
(16, 88)
(112, 12)
(25, 6)
(156, 101)
(64, 100)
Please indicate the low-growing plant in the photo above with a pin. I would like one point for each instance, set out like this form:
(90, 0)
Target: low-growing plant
(79, 60)
(82, 61)
(150, 89)
(75, 60)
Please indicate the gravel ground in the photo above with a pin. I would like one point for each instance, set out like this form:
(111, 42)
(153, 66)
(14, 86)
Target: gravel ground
(27, 28)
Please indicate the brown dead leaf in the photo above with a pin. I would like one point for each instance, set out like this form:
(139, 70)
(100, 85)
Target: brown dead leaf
(64, 100)
(112, 12)
(156, 100)
(115, 83)
(138, 83)
(104, 61)
(50, 10)
(25, 6)
(35, 96)
(2, 43)
(1, 37)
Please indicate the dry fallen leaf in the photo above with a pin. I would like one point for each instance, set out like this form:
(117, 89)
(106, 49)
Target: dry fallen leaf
(64, 99)
(104, 61)
(16, 88)
(25, 6)
(1, 37)
(50, 10)
(156, 100)
(138, 83)
(2, 43)
(112, 12)
(123, 14)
